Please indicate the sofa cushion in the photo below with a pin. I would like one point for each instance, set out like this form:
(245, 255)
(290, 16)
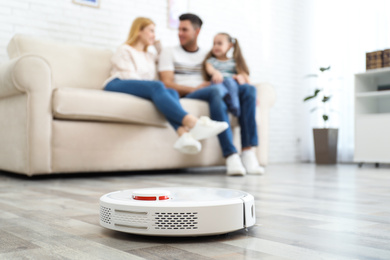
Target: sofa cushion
(72, 65)
(100, 105)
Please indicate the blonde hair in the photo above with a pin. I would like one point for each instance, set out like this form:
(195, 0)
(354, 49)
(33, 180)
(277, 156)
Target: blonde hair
(138, 25)
(237, 56)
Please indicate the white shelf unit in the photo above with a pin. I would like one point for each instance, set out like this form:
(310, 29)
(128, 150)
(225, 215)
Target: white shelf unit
(372, 117)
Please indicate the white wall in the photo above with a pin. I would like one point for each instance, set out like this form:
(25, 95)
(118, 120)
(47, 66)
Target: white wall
(341, 41)
(272, 34)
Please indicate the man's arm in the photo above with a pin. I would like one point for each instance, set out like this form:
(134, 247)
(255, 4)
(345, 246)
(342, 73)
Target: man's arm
(166, 72)
(167, 77)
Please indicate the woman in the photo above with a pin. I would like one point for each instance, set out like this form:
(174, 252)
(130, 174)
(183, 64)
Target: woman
(133, 72)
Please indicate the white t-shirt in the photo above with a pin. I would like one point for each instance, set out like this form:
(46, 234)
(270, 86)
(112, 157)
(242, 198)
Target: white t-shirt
(129, 63)
(187, 66)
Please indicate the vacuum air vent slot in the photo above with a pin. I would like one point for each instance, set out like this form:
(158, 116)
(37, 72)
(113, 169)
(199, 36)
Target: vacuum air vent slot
(129, 216)
(105, 214)
(129, 226)
(176, 220)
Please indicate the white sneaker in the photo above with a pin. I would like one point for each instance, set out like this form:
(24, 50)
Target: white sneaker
(234, 166)
(251, 163)
(205, 128)
(187, 144)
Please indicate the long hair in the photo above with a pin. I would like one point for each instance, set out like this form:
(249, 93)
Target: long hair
(138, 25)
(237, 56)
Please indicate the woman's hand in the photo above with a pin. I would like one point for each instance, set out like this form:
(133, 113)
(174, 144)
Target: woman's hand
(217, 77)
(157, 46)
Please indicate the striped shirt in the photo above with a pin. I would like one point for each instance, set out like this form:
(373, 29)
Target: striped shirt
(187, 66)
(226, 67)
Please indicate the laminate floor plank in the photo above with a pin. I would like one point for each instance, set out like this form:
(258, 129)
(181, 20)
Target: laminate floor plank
(303, 211)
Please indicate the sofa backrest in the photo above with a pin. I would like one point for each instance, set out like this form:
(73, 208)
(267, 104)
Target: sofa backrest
(72, 65)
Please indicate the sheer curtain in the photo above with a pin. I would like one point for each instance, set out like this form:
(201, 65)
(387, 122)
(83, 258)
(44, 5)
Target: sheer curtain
(341, 33)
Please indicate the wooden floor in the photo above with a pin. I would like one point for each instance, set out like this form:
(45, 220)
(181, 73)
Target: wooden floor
(303, 211)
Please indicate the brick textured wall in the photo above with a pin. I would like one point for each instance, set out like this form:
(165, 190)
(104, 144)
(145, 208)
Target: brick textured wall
(273, 36)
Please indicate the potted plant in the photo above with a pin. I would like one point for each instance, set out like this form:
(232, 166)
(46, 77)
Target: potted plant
(325, 139)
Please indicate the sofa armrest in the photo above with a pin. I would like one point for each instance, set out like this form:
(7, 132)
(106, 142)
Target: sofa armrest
(266, 98)
(25, 115)
(265, 94)
(8, 87)
(23, 74)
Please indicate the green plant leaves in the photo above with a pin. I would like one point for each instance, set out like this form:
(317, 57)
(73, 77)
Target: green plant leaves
(326, 98)
(325, 117)
(322, 97)
(322, 69)
(315, 94)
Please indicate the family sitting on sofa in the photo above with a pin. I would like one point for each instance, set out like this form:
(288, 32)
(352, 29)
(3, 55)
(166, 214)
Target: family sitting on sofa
(63, 108)
(191, 72)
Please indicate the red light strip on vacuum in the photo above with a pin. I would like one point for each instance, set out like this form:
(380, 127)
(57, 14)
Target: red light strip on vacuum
(150, 197)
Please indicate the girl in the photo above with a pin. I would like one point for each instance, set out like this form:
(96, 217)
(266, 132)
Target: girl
(218, 68)
(231, 77)
(133, 72)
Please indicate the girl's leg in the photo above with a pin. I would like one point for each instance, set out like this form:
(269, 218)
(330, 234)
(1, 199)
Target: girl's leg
(232, 98)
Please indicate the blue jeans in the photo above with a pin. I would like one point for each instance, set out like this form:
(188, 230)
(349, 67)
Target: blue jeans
(218, 111)
(166, 100)
(231, 98)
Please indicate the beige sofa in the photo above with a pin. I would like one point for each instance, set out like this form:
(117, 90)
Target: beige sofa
(55, 117)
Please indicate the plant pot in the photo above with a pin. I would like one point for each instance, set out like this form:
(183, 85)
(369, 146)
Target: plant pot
(325, 144)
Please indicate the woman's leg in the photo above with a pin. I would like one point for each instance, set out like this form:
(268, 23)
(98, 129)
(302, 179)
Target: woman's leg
(188, 121)
(165, 100)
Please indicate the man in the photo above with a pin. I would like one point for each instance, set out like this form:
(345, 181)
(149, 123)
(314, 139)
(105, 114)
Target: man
(180, 68)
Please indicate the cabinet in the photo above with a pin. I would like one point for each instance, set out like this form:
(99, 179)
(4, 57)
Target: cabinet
(372, 117)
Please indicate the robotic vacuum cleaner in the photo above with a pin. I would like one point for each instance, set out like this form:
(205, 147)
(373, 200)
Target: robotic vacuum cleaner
(177, 211)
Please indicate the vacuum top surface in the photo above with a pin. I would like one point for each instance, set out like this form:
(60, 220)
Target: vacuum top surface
(177, 211)
(175, 196)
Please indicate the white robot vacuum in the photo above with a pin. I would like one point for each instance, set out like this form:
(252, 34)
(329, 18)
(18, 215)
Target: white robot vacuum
(177, 211)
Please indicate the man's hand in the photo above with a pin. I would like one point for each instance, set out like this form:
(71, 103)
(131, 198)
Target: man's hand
(239, 78)
(217, 77)
(203, 85)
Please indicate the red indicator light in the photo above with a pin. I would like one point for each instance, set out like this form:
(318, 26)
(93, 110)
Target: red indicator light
(151, 198)
(143, 198)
